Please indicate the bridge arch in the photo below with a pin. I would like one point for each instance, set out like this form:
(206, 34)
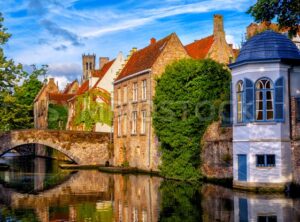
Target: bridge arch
(85, 148)
(52, 146)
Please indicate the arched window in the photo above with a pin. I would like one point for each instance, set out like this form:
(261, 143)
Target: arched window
(264, 100)
(239, 100)
(87, 66)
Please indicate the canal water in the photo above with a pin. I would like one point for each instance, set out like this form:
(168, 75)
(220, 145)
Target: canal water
(36, 189)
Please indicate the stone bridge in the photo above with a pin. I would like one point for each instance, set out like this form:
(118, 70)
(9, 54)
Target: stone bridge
(84, 148)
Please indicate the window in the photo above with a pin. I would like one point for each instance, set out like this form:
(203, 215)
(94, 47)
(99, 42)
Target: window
(272, 218)
(239, 102)
(134, 122)
(265, 160)
(87, 66)
(143, 126)
(119, 124)
(144, 89)
(264, 100)
(119, 96)
(125, 98)
(135, 92)
(125, 125)
(91, 66)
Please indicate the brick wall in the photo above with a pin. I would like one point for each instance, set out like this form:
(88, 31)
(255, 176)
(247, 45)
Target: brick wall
(295, 141)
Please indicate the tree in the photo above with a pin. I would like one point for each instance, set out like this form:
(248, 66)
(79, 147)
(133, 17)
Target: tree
(187, 98)
(287, 13)
(17, 89)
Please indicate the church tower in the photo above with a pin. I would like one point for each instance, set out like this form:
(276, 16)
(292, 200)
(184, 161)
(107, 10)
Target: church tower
(88, 64)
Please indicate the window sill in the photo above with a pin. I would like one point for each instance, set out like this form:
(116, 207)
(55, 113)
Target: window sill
(142, 134)
(144, 100)
(124, 136)
(134, 102)
(240, 124)
(265, 123)
(265, 167)
(118, 106)
(124, 104)
(133, 134)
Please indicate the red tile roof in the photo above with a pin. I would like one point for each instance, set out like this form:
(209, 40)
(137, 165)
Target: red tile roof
(144, 58)
(69, 86)
(100, 73)
(83, 88)
(59, 97)
(200, 48)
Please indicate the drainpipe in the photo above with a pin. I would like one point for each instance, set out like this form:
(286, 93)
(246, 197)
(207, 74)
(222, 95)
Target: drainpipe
(150, 119)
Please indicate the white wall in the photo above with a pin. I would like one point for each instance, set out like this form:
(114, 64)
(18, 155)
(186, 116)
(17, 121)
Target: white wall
(265, 137)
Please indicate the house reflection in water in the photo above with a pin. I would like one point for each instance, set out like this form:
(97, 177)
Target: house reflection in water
(136, 198)
(222, 204)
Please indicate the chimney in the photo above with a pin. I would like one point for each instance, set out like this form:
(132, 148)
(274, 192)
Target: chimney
(103, 61)
(152, 41)
(218, 25)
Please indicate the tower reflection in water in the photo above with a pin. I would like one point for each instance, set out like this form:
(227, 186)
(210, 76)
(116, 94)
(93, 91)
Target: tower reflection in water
(40, 191)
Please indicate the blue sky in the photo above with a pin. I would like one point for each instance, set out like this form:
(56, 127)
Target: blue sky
(58, 32)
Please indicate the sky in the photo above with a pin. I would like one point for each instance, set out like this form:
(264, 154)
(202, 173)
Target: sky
(58, 32)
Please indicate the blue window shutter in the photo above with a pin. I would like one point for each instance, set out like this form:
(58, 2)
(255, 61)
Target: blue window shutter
(279, 99)
(249, 101)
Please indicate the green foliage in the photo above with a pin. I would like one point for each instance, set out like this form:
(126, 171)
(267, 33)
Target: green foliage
(16, 99)
(188, 97)
(89, 112)
(57, 116)
(287, 13)
(180, 202)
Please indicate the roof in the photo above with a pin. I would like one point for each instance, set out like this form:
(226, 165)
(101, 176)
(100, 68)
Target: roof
(100, 73)
(144, 58)
(200, 48)
(60, 97)
(69, 86)
(268, 45)
(83, 88)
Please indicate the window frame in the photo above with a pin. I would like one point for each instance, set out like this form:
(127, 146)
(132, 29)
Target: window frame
(266, 164)
(143, 122)
(125, 95)
(144, 89)
(119, 126)
(264, 100)
(134, 123)
(135, 92)
(240, 93)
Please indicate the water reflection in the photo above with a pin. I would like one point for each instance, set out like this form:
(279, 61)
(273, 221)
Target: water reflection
(37, 190)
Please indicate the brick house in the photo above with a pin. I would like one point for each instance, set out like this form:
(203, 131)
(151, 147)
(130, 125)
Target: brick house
(134, 88)
(214, 46)
(50, 94)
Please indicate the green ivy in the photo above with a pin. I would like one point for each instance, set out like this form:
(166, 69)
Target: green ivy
(57, 116)
(88, 111)
(187, 99)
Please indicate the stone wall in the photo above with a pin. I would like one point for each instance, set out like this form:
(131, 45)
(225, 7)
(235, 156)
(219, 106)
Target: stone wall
(216, 152)
(84, 148)
(295, 141)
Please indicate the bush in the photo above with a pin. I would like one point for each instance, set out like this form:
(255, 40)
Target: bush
(188, 97)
